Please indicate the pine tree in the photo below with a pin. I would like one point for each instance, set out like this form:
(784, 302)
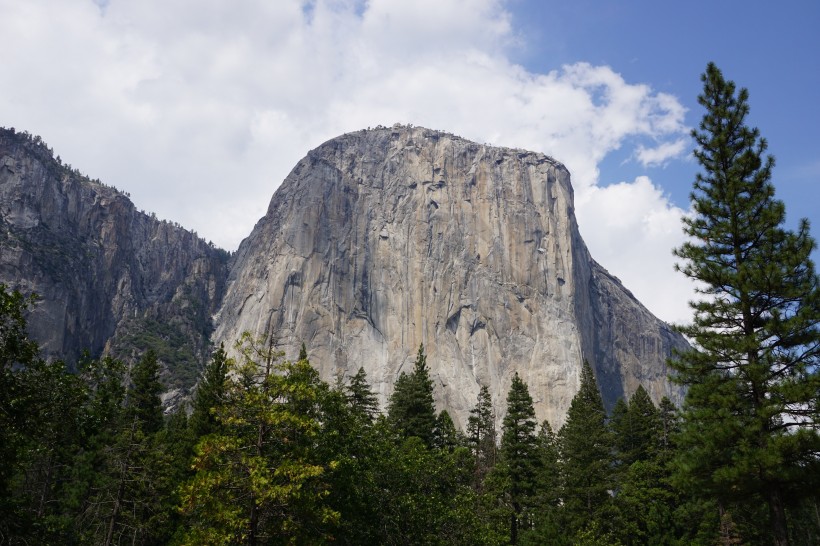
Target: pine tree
(519, 451)
(412, 409)
(210, 393)
(446, 436)
(361, 397)
(635, 428)
(585, 445)
(16, 349)
(144, 396)
(481, 434)
(750, 421)
(548, 476)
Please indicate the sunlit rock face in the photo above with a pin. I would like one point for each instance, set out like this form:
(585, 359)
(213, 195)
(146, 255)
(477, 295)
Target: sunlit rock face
(380, 240)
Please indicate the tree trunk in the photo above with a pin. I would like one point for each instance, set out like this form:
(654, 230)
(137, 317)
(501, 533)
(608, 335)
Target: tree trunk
(777, 513)
(109, 537)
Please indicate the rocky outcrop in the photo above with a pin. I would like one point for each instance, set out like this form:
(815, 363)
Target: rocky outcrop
(111, 279)
(383, 239)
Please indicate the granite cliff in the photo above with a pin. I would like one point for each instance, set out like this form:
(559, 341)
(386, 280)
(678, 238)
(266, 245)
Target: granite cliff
(376, 242)
(111, 279)
(383, 239)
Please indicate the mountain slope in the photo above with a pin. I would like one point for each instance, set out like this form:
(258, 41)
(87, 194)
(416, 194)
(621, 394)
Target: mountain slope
(111, 279)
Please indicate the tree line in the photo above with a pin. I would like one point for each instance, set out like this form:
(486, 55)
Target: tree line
(271, 454)
(268, 453)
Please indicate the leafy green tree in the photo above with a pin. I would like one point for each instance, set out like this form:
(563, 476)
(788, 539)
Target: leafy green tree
(412, 409)
(585, 446)
(259, 479)
(519, 451)
(750, 420)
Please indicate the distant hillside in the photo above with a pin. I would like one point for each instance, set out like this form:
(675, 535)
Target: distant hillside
(111, 279)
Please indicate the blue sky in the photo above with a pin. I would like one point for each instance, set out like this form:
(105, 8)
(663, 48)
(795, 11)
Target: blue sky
(771, 49)
(200, 108)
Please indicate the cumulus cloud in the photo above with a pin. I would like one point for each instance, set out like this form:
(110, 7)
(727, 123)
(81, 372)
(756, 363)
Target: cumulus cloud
(200, 109)
(658, 155)
(634, 230)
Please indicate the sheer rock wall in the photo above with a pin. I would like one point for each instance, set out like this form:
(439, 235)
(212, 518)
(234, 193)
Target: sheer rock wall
(383, 239)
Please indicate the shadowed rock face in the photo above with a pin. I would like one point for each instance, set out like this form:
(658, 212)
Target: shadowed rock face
(111, 279)
(383, 239)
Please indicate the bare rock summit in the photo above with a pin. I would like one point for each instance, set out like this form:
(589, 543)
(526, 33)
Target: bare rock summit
(380, 240)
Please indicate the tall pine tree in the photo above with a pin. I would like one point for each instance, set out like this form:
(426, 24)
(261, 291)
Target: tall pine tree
(210, 393)
(481, 435)
(750, 421)
(361, 396)
(411, 409)
(585, 445)
(520, 454)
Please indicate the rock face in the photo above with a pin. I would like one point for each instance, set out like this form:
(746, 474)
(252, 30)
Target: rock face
(383, 239)
(111, 279)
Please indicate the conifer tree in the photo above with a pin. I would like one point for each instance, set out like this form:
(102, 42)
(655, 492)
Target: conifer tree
(585, 445)
(412, 409)
(635, 428)
(144, 396)
(548, 479)
(750, 421)
(519, 450)
(361, 397)
(446, 436)
(210, 393)
(481, 434)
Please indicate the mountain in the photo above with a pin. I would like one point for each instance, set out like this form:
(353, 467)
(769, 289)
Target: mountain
(111, 279)
(380, 240)
(376, 242)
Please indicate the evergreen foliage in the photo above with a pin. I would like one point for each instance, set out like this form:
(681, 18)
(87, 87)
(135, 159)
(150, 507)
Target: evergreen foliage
(481, 434)
(412, 409)
(144, 397)
(586, 450)
(361, 396)
(271, 454)
(210, 394)
(636, 428)
(750, 422)
(519, 452)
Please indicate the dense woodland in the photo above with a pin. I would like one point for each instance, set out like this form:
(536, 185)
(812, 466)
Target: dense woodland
(267, 453)
(270, 454)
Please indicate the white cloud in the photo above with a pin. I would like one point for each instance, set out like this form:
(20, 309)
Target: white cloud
(631, 230)
(200, 109)
(659, 155)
